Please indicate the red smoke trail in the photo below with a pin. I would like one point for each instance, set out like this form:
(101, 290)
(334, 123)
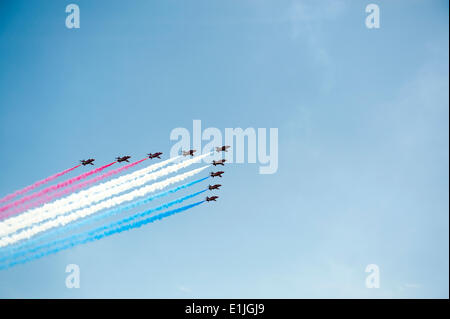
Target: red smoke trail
(35, 185)
(72, 189)
(53, 188)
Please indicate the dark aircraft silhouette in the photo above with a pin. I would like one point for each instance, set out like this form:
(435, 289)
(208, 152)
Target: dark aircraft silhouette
(223, 148)
(122, 159)
(212, 198)
(219, 162)
(190, 152)
(219, 173)
(214, 187)
(87, 162)
(155, 155)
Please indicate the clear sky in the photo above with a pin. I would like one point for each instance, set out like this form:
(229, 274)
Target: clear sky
(363, 141)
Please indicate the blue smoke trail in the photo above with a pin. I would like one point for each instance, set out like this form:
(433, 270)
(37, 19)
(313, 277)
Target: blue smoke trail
(103, 228)
(105, 232)
(21, 246)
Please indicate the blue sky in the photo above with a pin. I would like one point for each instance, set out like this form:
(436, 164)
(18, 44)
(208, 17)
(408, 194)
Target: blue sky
(363, 142)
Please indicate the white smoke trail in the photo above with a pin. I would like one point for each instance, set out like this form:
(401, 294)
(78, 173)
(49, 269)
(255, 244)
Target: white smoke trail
(65, 219)
(92, 195)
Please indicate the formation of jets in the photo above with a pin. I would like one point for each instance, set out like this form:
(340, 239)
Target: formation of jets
(225, 148)
(217, 174)
(121, 158)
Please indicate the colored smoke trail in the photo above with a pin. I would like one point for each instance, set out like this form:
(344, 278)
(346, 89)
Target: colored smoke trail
(37, 184)
(65, 191)
(88, 200)
(20, 250)
(65, 219)
(49, 189)
(94, 237)
(111, 225)
(70, 202)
